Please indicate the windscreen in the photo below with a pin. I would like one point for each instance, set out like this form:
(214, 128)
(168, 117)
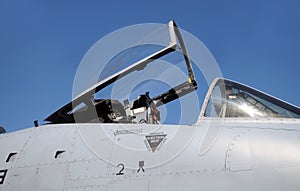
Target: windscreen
(230, 99)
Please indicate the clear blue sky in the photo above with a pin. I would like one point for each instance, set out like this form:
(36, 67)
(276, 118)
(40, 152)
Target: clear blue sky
(42, 43)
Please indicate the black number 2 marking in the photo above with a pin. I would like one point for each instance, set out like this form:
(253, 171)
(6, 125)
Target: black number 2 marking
(121, 170)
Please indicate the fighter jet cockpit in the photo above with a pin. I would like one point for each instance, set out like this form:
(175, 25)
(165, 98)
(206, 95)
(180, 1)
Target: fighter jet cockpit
(133, 88)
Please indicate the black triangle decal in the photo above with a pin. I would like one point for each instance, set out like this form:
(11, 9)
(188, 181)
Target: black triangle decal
(155, 140)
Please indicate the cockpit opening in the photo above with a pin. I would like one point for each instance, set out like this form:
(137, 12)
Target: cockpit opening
(122, 96)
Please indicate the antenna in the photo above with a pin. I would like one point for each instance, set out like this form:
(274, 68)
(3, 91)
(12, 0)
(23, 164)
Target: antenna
(36, 123)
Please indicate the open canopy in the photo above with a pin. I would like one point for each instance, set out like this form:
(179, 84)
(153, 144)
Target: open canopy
(87, 108)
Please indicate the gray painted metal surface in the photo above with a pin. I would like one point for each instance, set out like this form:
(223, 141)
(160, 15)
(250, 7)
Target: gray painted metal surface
(248, 155)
